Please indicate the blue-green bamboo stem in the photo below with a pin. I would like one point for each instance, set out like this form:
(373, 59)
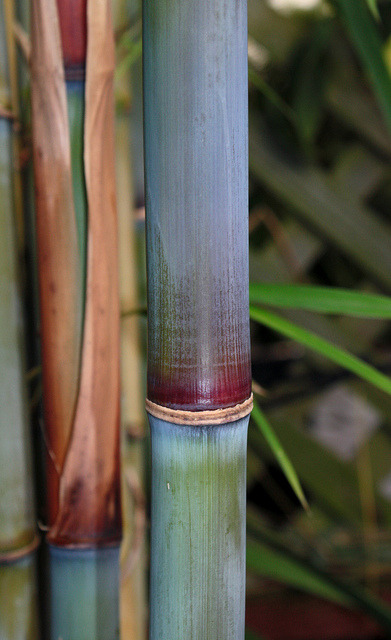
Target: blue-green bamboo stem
(195, 96)
(198, 531)
(196, 197)
(84, 593)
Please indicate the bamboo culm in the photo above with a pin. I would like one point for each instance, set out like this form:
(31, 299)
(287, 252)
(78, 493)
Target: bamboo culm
(199, 383)
(18, 536)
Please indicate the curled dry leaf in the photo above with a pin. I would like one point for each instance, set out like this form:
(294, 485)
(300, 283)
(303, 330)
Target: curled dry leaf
(90, 485)
(59, 263)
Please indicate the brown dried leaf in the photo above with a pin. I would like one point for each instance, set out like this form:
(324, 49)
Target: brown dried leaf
(59, 265)
(90, 488)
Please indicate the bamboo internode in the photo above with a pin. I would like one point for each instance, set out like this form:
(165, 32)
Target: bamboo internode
(199, 379)
(195, 88)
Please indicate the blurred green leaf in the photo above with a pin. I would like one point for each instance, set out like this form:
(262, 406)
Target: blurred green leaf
(369, 46)
(353, 228)
(321, 299)
(310, 78)
(272, 559)
(276, 564)
(270, 94)
(372, 4)
(327, 349)
(133, 53)
(282, 458)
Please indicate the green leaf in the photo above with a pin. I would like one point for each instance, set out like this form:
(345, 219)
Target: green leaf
(322, 300)
(360, 234)
(270, 558)
(279, 453)
(270, 94)
(327, 349)
(270, 562)
(369, 47)
(372, 4)
(133, 53)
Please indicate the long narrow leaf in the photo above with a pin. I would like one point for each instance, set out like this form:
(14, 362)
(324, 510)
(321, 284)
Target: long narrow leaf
(279, 452)
(321, 299)
(372, 4)
(351, 227)
(278, 565)
(368, 44)
(271, 95)
(327, 349)
(290, 567)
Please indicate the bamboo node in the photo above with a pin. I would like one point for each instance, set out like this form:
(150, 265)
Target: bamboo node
(6, 557)
(200, 418)
(7, 114)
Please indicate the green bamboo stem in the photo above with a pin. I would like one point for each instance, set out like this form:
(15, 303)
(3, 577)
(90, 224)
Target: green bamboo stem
(17, 526)
(198, 531)
(133, 607)
(19, 600)
(18, 540)
(84, 593)
(17, 513)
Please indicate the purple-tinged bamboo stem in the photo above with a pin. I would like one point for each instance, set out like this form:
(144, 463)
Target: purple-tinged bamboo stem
(195, 87)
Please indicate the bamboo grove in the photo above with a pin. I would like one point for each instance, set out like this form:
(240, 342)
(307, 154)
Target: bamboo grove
(71, 64)
(198, 380)
(70, 572)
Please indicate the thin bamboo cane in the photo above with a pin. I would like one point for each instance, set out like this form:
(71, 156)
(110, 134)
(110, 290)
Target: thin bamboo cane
(80, 311)
(133, 606)
(18, 598)
(18, 539)
(133, 586)
(199, 385)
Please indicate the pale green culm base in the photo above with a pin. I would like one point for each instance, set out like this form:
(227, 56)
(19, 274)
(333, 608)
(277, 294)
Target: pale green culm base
(198, 531)
(84, 594)
(19, 600)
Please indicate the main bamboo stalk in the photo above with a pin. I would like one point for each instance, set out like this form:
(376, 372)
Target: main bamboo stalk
(199, 383)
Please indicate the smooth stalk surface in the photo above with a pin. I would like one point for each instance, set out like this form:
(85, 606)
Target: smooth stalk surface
(84, 593)
(195, 92)
(198, 531)
(195, 111)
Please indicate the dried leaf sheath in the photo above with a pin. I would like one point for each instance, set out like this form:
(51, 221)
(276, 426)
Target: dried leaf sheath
(90, 490)
(59, 265)
(81, 381)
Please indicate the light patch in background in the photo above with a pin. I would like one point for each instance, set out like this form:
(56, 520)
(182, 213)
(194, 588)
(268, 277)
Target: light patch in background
(343, 421)
(290, 5)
